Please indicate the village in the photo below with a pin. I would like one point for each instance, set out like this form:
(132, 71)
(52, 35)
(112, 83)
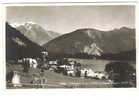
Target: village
(63, 66)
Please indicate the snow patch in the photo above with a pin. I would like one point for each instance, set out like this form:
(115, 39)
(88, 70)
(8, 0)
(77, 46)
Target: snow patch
(29, 23)
(93, 49)
(16, 24)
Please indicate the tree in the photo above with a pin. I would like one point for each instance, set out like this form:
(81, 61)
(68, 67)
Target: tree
(121, 74)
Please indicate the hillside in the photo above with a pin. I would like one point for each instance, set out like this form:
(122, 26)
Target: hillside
(18, 46)
(94, 42)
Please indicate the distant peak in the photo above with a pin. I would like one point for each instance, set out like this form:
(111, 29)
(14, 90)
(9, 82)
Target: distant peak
(124, 27)
(24, 23)
(16, 24)
(86, 29)
(29, 22)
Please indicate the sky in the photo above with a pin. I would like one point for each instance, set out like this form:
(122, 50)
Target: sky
(65, 19)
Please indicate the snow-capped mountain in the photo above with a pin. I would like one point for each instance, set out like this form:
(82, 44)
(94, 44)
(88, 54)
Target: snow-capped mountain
(35, 32)
(16, 24)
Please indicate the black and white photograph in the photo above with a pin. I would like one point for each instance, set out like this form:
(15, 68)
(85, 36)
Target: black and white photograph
(70, 46)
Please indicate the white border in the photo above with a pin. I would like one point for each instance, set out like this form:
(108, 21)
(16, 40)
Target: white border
(67, 4)
(65, 93)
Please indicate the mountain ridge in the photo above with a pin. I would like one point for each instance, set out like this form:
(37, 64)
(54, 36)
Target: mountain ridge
(113, 41)
(35, 32)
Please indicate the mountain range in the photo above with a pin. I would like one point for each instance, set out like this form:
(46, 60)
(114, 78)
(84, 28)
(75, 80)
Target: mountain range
(93, 42)
(36, 33)
(29, 39)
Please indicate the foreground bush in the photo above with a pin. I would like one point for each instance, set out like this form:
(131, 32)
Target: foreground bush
(122, 74)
